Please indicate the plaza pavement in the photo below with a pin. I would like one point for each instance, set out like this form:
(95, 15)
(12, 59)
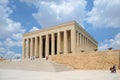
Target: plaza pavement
(46, 70)
(9, 74)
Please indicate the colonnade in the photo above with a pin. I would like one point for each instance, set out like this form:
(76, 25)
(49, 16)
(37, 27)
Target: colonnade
(48, 44)
(84, 43)
(62, 42)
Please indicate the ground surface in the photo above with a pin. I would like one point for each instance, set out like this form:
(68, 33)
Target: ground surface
(6, 74)
(40, 69)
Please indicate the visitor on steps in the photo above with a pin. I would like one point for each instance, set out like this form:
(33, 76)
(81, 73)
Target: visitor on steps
(46, 57)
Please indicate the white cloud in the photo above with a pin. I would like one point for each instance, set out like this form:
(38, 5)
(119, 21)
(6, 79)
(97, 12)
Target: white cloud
(34, 29)
(58, 11)
(2, 50)
(17, 36)
(8, 54)
(10, 31)
(29, 2)
(114, 43)
(11, 43)
(7, 25)
(2, 2)
(105, 13)
(1, 43)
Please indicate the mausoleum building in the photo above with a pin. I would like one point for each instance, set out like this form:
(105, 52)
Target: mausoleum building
(60, 39)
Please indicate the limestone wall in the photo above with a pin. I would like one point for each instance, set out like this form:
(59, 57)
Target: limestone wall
(92, 60)
(2, 59)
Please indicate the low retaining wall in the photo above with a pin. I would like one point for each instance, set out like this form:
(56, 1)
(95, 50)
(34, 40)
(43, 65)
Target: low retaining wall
(89, 60)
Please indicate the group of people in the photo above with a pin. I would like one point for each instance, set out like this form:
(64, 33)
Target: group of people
(34, 57)
(113, 69)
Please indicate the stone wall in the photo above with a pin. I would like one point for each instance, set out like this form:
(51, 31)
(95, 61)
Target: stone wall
(102, 60)
(2, 59)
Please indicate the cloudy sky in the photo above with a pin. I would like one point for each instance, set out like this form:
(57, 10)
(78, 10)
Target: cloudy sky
(101, 18)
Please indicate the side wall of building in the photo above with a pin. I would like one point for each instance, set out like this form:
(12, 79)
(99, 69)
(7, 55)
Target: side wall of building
(84, 42)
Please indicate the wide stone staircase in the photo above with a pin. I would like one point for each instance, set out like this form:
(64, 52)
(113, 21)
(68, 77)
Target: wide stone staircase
(35, 65)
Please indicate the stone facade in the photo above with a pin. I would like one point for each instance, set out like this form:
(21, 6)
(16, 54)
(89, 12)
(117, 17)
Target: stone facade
(61, 39)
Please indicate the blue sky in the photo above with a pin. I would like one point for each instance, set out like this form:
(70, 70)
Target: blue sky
(100, 18)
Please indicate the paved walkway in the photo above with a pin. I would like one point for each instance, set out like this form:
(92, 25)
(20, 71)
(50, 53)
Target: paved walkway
(40, 69)
(65, 75)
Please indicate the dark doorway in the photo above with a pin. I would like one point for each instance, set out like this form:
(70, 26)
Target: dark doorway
(43, 47)
(55, 43)
(49, 45)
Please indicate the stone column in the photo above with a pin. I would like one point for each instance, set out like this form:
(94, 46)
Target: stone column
(73, 40)
(31, 47)
(40, 46)
(23, 49)
(36, 47)
(83, 42)
(65, 42)
(58, 43)
(87, 43)
(47, 46)
(91, 45)
(28, 50)
(53, 44)
(80, 41)
(77, 43)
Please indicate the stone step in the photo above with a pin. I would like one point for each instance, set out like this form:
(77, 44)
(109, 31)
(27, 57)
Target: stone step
(37, 65)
